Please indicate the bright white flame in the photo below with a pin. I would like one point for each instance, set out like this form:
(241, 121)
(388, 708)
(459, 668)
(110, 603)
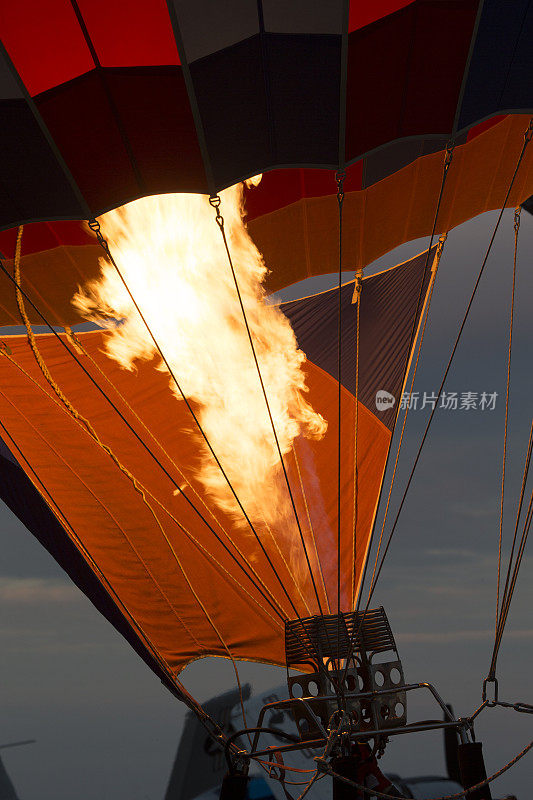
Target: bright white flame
(171, 254)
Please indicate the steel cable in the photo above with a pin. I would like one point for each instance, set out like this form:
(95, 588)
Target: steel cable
(527, 138)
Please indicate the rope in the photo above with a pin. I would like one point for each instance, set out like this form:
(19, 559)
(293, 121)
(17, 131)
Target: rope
(215, 203)
(436, 262)
(211, 726)
(271, 765)
(62, 397)
(137, 486)
(290, 572)
(525, 474)
(76, 342)
(340, 175)
(504, 457)
(458, 796)
(505, 603)
(313, 780)
(448, 158)
(507, 600)
(311, 530)
(358, 291)
(527, 138)
(339, 179)
(60, 339)
(435, 267)
(182, 528)
(95, 227)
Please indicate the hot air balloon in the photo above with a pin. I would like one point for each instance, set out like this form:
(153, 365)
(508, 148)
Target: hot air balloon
(206, 464)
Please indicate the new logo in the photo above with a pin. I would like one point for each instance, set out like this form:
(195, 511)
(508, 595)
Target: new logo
(384, 400)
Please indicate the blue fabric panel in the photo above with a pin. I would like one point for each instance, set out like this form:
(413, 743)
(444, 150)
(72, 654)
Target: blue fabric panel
(388, 306)
(25, 501)
(500, 77)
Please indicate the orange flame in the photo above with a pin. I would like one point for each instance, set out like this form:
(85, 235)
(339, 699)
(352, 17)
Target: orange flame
(170, 252)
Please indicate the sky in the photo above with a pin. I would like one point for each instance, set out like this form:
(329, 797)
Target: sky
(104, 725)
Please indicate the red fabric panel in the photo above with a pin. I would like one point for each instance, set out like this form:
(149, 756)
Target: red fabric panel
(44, 236)
(47, 45)
(132, 34)
(364, 12)
(82, 125)
(398, 62)
(484, 126)
(44, 42)
(281, 187)
(153, 107)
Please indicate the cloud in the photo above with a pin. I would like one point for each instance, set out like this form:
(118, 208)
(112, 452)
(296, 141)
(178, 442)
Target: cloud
(36, 590)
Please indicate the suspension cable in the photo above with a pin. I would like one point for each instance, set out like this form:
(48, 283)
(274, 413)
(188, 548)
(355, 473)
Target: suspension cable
(506, 601)
(213, 729)
(311, 529)
(448, 158)
(73, 355)
(435, 267)
(76, 342)
(505, 428)
(139, 488)
(215, 201)
(95, 227)
(491, 677)
(21, 293)
(184, 530)
(525, 474)
(340, 175)
(358, 292)
(527, 138)
(375, 793)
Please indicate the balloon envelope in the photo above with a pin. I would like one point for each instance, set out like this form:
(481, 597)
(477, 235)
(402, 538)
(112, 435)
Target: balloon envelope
(102, 104)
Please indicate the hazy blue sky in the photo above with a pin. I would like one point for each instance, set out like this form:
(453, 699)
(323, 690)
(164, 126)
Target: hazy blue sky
(107, 729)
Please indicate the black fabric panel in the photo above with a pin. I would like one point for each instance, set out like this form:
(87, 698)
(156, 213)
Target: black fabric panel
(301, 16)
(527, 205)
(405, 73)
(21, 496)
(32, 183)
(396, 155)
(272, 99)
(231, 94)
(9, 87)
(500, 77)
(388, 305)
(207, 26)
(304, 93)
(153, 105)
